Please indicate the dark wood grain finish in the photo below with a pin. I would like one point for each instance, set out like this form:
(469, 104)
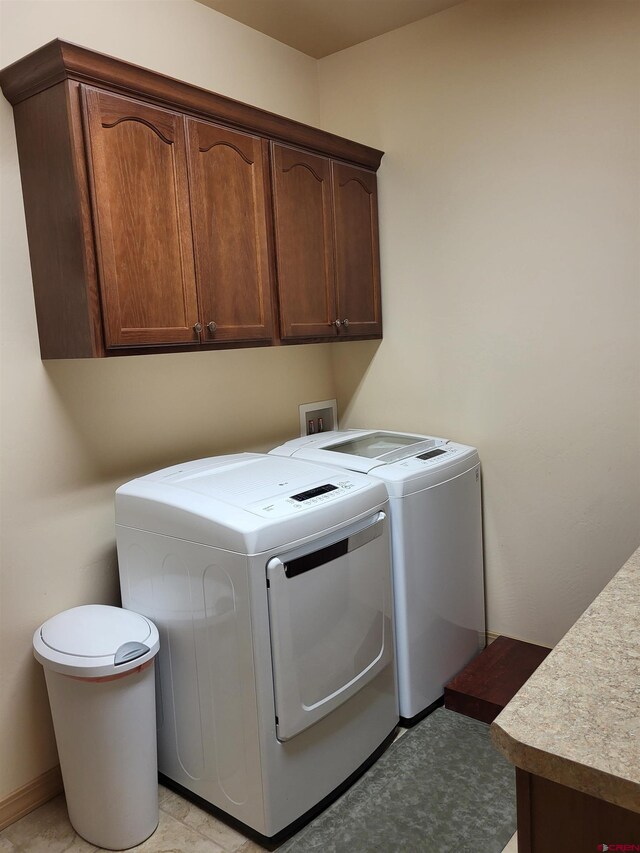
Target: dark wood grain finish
(228, 201)
(555, 817)
(76, 130)
(34, 72)
(132, 186)
(492, 679)
(142, 221)
(523, 810)
(58, 224)
(356, 250)
(476, 707)
(271, 244)
(59, 60)
(304, 243)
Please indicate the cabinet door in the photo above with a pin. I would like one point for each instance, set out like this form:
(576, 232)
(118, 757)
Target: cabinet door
(357, 253)
(140, 196)
(228, 202)
(304, 244)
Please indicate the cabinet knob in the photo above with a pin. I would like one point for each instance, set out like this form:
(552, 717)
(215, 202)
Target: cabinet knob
(337, 323)
(197, 328)
(345, 323)
(212, 327)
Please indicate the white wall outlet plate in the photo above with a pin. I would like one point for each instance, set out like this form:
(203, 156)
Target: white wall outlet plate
(321, 416)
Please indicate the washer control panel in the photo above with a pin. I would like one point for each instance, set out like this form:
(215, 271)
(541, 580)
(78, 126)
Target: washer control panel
(434, 457)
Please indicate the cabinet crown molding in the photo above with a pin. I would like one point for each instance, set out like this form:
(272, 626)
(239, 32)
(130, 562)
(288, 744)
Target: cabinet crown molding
(60, 60)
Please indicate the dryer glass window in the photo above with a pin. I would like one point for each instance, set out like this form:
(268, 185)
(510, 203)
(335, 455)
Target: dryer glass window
(374, 445)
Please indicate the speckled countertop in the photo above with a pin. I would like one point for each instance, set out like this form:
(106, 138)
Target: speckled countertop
(576, 721)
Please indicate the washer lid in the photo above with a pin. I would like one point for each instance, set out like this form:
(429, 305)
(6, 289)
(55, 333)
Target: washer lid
(94, 640)
(359, 450)
(378, 445)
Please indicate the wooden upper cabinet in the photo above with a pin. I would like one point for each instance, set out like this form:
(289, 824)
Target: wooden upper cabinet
(160, 215)
(140, 196)
(356, 250)
(304, 243)
(228, 172)
(326, 222)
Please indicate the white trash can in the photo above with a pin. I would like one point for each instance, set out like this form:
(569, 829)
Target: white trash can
(99, 667)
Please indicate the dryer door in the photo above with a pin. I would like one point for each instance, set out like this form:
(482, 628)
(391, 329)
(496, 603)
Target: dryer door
(330, 617)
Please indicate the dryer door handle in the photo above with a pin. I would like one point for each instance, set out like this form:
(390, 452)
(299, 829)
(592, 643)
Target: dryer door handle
(322, 556)
(368, 533)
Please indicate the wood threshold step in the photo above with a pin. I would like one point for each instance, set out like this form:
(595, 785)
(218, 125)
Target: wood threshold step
(492, 679)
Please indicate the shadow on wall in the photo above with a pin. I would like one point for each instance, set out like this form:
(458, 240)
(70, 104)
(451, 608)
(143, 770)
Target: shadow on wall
(351, 363)
(136, 414)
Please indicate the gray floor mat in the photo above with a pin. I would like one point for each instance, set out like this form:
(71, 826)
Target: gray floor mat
(442, 786)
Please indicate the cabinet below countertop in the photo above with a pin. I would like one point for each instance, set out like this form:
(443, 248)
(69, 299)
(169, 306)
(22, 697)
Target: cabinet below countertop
(573, 730)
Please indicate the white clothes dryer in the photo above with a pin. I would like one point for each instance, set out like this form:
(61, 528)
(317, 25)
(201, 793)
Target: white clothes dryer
(436, 534)
(269, 580)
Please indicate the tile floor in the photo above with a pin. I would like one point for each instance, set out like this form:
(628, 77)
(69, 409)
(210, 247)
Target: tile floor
(183, 828)
(512, 846)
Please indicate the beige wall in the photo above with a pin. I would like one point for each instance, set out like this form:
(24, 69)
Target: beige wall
(74, 430)
(510, 260)
(509, 199)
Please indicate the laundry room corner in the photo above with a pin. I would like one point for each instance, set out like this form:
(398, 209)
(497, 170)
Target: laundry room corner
(74, 430)
(509, 266)
(320, 360)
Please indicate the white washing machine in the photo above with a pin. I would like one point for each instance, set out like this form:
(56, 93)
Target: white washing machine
(269, 580)
(436, 534)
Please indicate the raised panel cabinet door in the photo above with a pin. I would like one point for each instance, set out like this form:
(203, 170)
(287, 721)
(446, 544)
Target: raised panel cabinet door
(140, 197)
(227, 172)
(304, 244)
(357, 253)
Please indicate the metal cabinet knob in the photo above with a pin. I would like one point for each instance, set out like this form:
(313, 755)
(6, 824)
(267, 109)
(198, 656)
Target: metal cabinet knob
(337, 323)
(197, 328)
(212, 327)
(345, 323)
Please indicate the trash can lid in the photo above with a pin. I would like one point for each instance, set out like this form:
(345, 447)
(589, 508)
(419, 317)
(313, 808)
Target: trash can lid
(95, 640)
